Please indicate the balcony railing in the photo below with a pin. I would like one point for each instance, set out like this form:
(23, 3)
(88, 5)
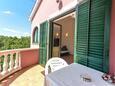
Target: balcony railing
(14, 60)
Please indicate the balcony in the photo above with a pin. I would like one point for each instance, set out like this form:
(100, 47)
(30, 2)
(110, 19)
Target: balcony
(20, 65)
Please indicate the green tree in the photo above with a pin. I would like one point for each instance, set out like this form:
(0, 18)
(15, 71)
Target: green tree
(14, 42)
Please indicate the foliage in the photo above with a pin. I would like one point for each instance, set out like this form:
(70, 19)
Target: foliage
(7, 43)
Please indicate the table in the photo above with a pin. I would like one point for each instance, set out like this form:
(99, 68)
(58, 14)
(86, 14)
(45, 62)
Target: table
(71, 76)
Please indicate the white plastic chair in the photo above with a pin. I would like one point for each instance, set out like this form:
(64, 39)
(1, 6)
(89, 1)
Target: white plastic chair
(54, 64)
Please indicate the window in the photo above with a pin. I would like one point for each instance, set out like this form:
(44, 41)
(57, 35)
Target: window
(35, 35)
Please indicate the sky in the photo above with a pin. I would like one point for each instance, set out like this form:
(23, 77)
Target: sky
(14, 17)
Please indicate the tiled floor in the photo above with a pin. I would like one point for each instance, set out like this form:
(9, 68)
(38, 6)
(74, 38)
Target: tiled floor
(31, 76)
(68, 58)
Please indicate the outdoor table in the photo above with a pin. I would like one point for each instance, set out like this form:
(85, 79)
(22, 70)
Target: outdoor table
(71, 76)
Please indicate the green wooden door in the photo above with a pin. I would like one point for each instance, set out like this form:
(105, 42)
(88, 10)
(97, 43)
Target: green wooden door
(93, 34)
(43, 42)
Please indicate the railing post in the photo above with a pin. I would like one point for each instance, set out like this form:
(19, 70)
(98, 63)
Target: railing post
(17, 61)
(11, 64)
(5, 64)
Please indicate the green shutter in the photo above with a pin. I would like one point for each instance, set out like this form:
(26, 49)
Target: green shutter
(37, 35)
(43, 42)
(96, 34)
(50, 39)
(93, 34)
(108, 6)
(82, 32)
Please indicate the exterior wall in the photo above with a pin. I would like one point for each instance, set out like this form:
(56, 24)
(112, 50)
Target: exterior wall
(46, 9)
(112, 40)
(34, 45)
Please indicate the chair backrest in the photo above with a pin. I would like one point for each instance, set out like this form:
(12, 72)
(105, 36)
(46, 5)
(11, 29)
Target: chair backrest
(54, 64)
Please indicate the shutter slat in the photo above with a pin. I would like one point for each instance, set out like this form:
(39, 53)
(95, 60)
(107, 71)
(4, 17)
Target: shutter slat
(95, 63)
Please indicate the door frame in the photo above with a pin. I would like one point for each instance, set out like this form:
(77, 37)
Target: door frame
(51, 30)
(54, 23)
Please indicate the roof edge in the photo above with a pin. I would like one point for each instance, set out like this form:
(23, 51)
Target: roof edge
(34, 9)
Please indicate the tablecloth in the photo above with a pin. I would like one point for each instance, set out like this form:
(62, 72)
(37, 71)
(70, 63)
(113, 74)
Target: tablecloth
(71, 76)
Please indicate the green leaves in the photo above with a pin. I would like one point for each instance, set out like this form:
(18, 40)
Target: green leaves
(7, 43)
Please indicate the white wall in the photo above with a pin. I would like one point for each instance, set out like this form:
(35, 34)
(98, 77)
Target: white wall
(68, 27)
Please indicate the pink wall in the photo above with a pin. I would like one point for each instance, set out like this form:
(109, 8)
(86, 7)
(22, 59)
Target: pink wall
(29, 57)
(47, 8)
(112, 39)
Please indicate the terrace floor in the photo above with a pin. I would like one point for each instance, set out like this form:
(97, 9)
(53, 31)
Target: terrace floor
(30, 76)
(68, 58)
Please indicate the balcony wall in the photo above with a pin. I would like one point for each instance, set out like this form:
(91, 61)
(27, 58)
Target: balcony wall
(29, 57)
(112, 39)
(14, 60)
